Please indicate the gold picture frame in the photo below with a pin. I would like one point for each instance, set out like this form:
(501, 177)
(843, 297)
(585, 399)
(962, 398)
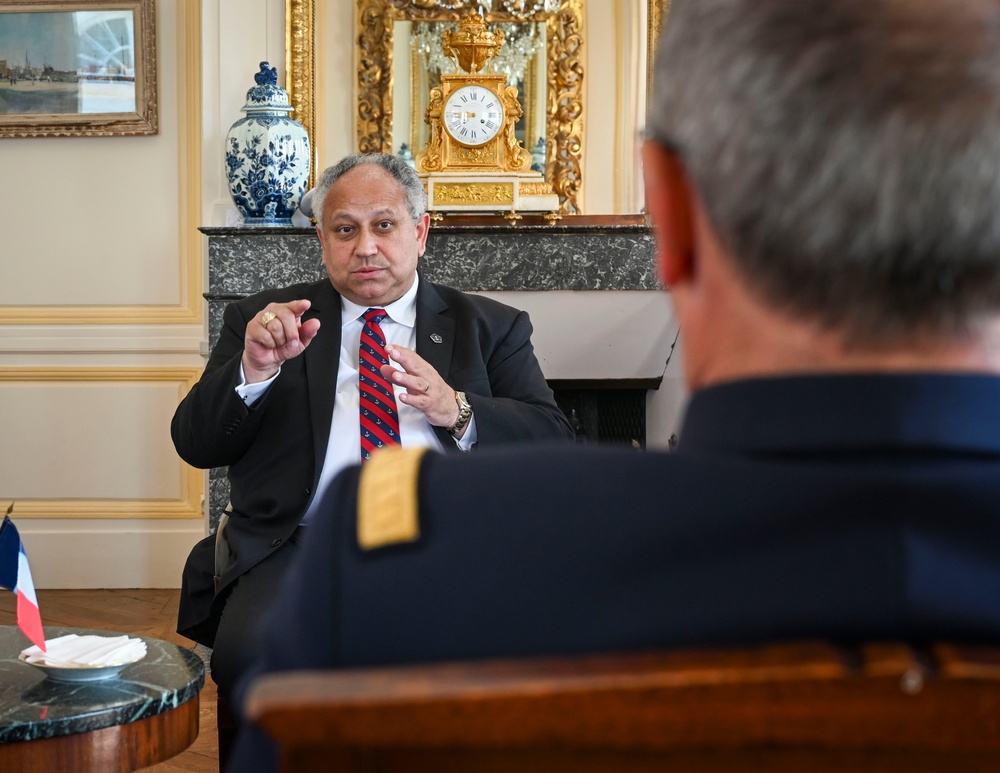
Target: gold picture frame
(72, 68)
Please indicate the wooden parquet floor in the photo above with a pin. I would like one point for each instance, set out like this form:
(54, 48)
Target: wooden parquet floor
(139, 612)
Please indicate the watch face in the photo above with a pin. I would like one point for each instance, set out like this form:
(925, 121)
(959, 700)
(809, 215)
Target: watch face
(473, 115)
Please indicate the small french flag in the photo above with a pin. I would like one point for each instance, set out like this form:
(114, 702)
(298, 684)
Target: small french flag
(16, 576)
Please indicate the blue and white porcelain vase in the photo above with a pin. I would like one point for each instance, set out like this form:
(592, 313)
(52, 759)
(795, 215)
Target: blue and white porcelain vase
(267, 155)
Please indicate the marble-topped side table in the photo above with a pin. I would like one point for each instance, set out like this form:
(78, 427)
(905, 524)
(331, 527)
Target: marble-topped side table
(145, 715)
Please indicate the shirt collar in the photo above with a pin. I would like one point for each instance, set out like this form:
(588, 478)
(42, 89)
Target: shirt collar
(403, 310)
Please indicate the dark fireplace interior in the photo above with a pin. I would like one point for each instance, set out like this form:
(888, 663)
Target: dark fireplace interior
(605, 412)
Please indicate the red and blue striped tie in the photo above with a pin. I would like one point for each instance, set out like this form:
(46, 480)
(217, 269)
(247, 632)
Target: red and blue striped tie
(379, 419)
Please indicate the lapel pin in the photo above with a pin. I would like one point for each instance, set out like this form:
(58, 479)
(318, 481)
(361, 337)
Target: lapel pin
(436, 338)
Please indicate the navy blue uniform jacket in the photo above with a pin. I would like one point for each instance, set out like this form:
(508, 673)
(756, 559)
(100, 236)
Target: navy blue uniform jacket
(275, 449)
(852, 507)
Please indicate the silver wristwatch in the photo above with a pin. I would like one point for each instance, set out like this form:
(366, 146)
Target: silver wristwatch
(464, 413)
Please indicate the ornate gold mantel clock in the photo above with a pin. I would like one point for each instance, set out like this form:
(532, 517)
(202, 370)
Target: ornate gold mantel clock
(473, 162)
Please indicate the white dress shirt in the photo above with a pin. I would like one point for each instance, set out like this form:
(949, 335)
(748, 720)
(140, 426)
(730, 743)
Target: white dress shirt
(344, 446)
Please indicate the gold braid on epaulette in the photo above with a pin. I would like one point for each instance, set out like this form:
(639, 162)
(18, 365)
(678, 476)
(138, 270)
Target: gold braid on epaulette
(387, 497)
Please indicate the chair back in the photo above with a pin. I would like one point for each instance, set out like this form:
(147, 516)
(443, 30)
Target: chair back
(790, 707)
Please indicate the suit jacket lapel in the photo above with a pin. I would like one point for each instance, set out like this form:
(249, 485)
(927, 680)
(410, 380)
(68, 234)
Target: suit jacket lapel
(435, 341)
(321, 362)
(435, 331)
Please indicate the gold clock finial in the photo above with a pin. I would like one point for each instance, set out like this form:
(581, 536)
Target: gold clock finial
(472, 44)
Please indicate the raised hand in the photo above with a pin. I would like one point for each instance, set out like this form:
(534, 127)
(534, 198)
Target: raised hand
(276, 334)
(425, 389)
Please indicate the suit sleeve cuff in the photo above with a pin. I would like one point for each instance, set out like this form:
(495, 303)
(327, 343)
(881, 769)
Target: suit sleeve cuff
(469, 440)
(251, 393)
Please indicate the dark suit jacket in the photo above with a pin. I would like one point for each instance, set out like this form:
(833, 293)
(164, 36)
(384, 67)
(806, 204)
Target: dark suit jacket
(843, 507)
(275, 449)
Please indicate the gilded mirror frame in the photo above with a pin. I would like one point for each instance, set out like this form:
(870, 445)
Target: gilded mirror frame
(300, 69)
(565, 57)
(565, 63)
(656, 12)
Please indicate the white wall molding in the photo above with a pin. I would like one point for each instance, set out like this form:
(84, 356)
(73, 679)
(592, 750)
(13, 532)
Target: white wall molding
(93, 442)
(109, 339)
(103, 554)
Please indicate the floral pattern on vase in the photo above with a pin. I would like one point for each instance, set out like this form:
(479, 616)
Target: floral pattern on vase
(267, 155)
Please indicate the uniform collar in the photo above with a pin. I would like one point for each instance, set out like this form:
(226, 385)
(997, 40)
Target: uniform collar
(843, 413)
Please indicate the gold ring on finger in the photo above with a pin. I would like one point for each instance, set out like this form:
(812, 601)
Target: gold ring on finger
(266, 317)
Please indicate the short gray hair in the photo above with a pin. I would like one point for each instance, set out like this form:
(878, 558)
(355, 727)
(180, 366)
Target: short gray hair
(848, 154)
(416, 198)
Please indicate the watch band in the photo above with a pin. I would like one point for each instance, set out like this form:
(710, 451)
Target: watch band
(464, 413)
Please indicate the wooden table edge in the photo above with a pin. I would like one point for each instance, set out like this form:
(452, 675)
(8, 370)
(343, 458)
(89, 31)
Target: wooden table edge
(114, 749)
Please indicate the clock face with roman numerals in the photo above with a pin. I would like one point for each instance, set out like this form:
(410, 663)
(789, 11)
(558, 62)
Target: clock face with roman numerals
(473, 115)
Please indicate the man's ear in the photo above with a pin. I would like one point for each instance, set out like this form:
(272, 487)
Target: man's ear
(671, 208)
(423, 226)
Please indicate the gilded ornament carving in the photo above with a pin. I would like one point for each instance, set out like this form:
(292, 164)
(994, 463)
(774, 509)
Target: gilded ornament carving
(480, 155)
(474, 193)
(534, 189)
(472, 44)
(374, 114)
(416, 96)
(434, 5)
(430, 160)
(518, 159)
(300, 67)
(657, 11)
(564, 122)
(564, 146)
(533, 119)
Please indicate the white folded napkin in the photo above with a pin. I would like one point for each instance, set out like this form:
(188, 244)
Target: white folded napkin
(72, 651)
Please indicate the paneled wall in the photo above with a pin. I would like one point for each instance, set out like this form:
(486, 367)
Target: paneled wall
(102, 319)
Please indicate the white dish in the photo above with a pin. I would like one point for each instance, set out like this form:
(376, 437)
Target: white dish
(87, 658)
(77, 673)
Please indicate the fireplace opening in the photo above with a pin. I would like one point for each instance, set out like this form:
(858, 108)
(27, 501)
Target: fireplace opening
(605, 412)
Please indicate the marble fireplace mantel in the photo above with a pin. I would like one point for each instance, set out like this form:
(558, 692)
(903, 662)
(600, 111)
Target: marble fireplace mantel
(599, 313)
(578, 279)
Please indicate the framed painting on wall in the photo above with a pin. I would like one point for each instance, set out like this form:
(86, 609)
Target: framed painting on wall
(71, 68)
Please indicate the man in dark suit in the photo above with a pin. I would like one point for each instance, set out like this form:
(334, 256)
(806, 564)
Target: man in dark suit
(822, 178)
(279, 400)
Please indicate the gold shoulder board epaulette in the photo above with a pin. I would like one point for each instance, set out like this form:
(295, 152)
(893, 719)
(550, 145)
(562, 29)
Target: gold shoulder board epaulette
(387, 498)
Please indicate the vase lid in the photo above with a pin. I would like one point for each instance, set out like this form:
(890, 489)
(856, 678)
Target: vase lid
(267, 94)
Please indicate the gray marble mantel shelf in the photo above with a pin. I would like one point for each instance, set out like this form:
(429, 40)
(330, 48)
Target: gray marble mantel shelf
(32, 706)
(475, 258)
